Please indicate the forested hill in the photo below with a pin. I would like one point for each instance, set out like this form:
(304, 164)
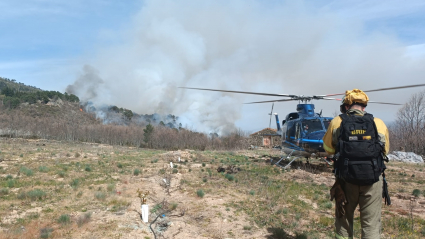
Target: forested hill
(16, 86)
(13, 93)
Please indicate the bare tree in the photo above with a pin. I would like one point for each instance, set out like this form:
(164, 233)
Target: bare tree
(408, 131)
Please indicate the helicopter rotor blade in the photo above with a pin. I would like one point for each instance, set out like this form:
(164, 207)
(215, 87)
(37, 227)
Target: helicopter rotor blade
(374, 102)
(240, 92)
(269, 101)
(271, 113)
(382, 89)
(383, 103)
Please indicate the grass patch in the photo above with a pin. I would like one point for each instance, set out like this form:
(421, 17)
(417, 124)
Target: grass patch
(200, 193)
(75, 183)
(110, 187)
(416, 192)
(11, 183)
(43, 169)
(46, 232)
(83, 219)
(229, 177)
(33, 195)
(136, 172)
(28, 172)
(64, 219)
(4, 191)
(61, 174)
(100, 195)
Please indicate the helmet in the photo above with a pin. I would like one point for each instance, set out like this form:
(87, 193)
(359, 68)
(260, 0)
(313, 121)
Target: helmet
(351, 97)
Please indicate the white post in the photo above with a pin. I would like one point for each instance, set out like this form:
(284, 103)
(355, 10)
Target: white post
(179, 159)
(145, 212)
(171, 164)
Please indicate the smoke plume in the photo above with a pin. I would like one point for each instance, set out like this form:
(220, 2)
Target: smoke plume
(252, 45)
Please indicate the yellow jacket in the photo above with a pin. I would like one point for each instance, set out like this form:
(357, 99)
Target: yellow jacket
(330, 140)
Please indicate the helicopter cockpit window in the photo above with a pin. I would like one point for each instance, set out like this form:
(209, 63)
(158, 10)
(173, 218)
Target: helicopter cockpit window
(326, 122)
(309, 126)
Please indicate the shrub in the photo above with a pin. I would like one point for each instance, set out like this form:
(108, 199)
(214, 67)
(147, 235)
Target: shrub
(173, 206)
(83, 219)
(247, 228)
(4, 191)
(110, 187)
(26, 171)
(77, 155)
(328, 205)
(252, 192)
(75, 183)
(11, 183)
(64, 219)
(203, 164)
(204, 180)
(36, 194)
(136, 172)
(416, 192)
(229, 177)
(45, 232)
(43, 169)
(200, 193)
(100, 195)
(88, 168)
(119, 165)
(175, 170)
(9, 177)
(61, 174)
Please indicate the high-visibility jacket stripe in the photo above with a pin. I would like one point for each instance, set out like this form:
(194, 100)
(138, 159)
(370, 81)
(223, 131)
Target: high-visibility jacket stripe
(328, 149)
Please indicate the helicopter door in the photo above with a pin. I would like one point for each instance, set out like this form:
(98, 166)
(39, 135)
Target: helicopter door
(297, 131)
(290, 133)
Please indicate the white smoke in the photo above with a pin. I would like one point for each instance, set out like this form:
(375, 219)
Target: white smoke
(252, 45)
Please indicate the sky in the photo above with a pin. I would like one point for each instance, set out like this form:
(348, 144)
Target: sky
(135, 54)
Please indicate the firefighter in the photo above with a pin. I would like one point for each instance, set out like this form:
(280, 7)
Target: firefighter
(359, 142)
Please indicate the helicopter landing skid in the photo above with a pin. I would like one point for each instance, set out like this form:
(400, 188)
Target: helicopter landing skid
(329, 163)
(287, 157)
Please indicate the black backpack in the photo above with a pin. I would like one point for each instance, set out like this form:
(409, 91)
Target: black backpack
(359, 151)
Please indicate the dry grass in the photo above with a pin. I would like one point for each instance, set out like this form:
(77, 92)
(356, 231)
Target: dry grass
(53, 192)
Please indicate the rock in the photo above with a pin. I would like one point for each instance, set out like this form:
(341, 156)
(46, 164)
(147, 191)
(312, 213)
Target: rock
(407, 157)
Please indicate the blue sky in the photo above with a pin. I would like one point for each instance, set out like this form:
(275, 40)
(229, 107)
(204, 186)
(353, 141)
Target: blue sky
(39, 39)
(46, 43)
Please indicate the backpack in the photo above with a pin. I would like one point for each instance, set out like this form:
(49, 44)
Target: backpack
(359, 150)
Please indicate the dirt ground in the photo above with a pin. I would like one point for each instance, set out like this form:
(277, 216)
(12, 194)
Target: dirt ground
(105, 203)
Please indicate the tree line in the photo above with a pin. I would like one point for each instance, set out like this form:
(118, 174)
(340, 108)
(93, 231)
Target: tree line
(74, 125)
(12, 98)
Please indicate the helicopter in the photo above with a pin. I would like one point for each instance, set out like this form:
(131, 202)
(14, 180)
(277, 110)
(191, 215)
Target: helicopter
(302, 131)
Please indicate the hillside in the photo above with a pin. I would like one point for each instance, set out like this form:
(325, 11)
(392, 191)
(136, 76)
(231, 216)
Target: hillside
(16, 86)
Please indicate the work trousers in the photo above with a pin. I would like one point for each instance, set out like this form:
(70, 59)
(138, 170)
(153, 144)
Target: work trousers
(369, 198)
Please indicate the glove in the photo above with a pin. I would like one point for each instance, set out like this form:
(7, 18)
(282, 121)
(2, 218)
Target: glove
(340, 200)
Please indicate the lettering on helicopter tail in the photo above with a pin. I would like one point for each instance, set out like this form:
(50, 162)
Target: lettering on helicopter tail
(358, 131)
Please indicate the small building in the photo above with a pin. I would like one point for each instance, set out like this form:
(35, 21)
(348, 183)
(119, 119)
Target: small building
(265, 138)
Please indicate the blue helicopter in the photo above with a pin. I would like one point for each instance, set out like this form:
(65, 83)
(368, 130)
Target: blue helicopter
(302, 131)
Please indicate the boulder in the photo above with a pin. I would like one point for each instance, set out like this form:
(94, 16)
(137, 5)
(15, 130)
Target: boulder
(407, 157)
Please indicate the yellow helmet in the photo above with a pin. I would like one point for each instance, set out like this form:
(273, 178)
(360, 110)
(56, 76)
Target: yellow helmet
(352, 97)
(355, 96)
